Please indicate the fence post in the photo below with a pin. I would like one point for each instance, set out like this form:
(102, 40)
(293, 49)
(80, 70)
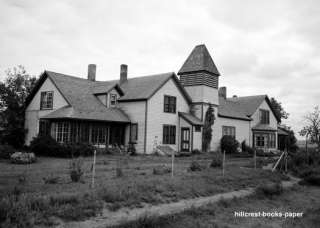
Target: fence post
(172, 161)
(93, 168)
(223, 163)
(255, 159)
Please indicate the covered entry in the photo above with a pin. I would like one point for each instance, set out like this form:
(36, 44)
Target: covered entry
(185, 139)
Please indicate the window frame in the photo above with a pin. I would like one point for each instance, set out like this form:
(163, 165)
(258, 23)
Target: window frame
(169, 133)
(113, 95)
(45, 105)
(44, 127)
(62, 131)
(228, 130)
(169, 104)
(264, 119)
(197, 128)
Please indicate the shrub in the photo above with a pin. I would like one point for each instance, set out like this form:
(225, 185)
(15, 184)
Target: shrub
(246, 148)
(229, 144)
(161, 170)
(313, 179)
(51, 179)
(216, 160)
(269, 190)
(47, 146)
(119, 172)
(196, 151)
(6, 151)
(195, 166)
(76, 169)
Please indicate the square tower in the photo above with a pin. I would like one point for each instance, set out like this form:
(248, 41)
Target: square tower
(200, 77)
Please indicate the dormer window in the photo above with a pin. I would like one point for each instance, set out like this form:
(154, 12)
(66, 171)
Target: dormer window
(46, 100)
(264, 116)
(113, 99)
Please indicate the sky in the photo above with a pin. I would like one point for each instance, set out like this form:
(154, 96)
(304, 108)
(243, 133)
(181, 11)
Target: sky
(260, 47)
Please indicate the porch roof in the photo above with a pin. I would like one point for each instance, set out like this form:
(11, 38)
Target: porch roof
(108, 114)
(191, 119)
(282, 132)
(263, 127)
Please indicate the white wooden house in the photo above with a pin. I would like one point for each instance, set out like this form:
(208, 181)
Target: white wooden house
(151, 110)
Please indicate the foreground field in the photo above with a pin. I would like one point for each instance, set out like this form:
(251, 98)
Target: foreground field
(136, 187)
(301, 199)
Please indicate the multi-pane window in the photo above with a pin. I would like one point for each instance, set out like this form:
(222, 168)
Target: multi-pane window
(260, 140)
(84, 133)
(113, 99)
(197, 128)
(170, 104)
(229, 130)
(264, 116)
(62, 132)
(272, 140)
(44, 128)
(46, 100)
(98, 134)
(169, 134)
(134, 132)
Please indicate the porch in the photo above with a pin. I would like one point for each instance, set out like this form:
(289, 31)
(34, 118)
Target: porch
(264, 138)
(97, 133)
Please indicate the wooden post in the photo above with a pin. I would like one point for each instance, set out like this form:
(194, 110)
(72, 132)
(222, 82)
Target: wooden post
(172, 162)
(286, 162)
(223, 162)
(93, 168)
(255, 159)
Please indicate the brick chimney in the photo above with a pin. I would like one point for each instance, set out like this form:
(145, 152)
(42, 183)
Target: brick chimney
(92, 72)
(123, 73)
(223, 92)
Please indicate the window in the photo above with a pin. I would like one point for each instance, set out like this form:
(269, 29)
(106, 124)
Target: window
(62, 132)
(44, 128)
(169, 104)
(264, 116)
(98, 134)
(272, 140)
(46, 100)
(169, 134)
(260, 141)
(197, 128)
(113, 99)
(229, 130)
(134, 132)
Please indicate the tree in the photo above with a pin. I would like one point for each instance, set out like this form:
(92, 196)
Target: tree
(292, 141)
(13, 93)
(312, 130)
(279, 111)
(207, 128)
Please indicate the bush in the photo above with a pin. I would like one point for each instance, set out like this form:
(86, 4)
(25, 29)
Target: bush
(269, 190)
(246, 148)
(229, 144)
(51, 180)
(161, 170)
(76, 169)
(313, 179)
(47, 146)
(216, 160)
(195, 166)
(119, 172)
(196, 151)
(6, 151)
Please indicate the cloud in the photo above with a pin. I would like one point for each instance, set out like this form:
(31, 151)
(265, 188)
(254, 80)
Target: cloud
(260, 47)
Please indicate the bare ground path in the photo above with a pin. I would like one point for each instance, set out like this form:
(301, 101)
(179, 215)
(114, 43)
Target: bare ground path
(109, 218)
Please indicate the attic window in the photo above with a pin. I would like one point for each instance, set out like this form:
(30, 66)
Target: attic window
(46, 100)
(113, 99)
(264, 116)
(170, 104)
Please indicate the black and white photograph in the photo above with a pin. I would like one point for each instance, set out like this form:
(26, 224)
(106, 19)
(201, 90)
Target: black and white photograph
(159, 114)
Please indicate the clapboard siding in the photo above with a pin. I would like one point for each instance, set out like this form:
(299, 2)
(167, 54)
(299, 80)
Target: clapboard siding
(33, 112)
(157, 118)
(136, 113)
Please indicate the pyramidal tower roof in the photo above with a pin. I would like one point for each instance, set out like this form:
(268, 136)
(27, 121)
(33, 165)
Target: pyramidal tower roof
(199, 60)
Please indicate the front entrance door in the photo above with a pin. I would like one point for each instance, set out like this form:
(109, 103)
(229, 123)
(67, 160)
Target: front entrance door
(185, 139)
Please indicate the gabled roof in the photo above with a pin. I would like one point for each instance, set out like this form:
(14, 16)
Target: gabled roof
(79, 95)
(191, 119)
(199, 60)
(242, 107)
(83, 104)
